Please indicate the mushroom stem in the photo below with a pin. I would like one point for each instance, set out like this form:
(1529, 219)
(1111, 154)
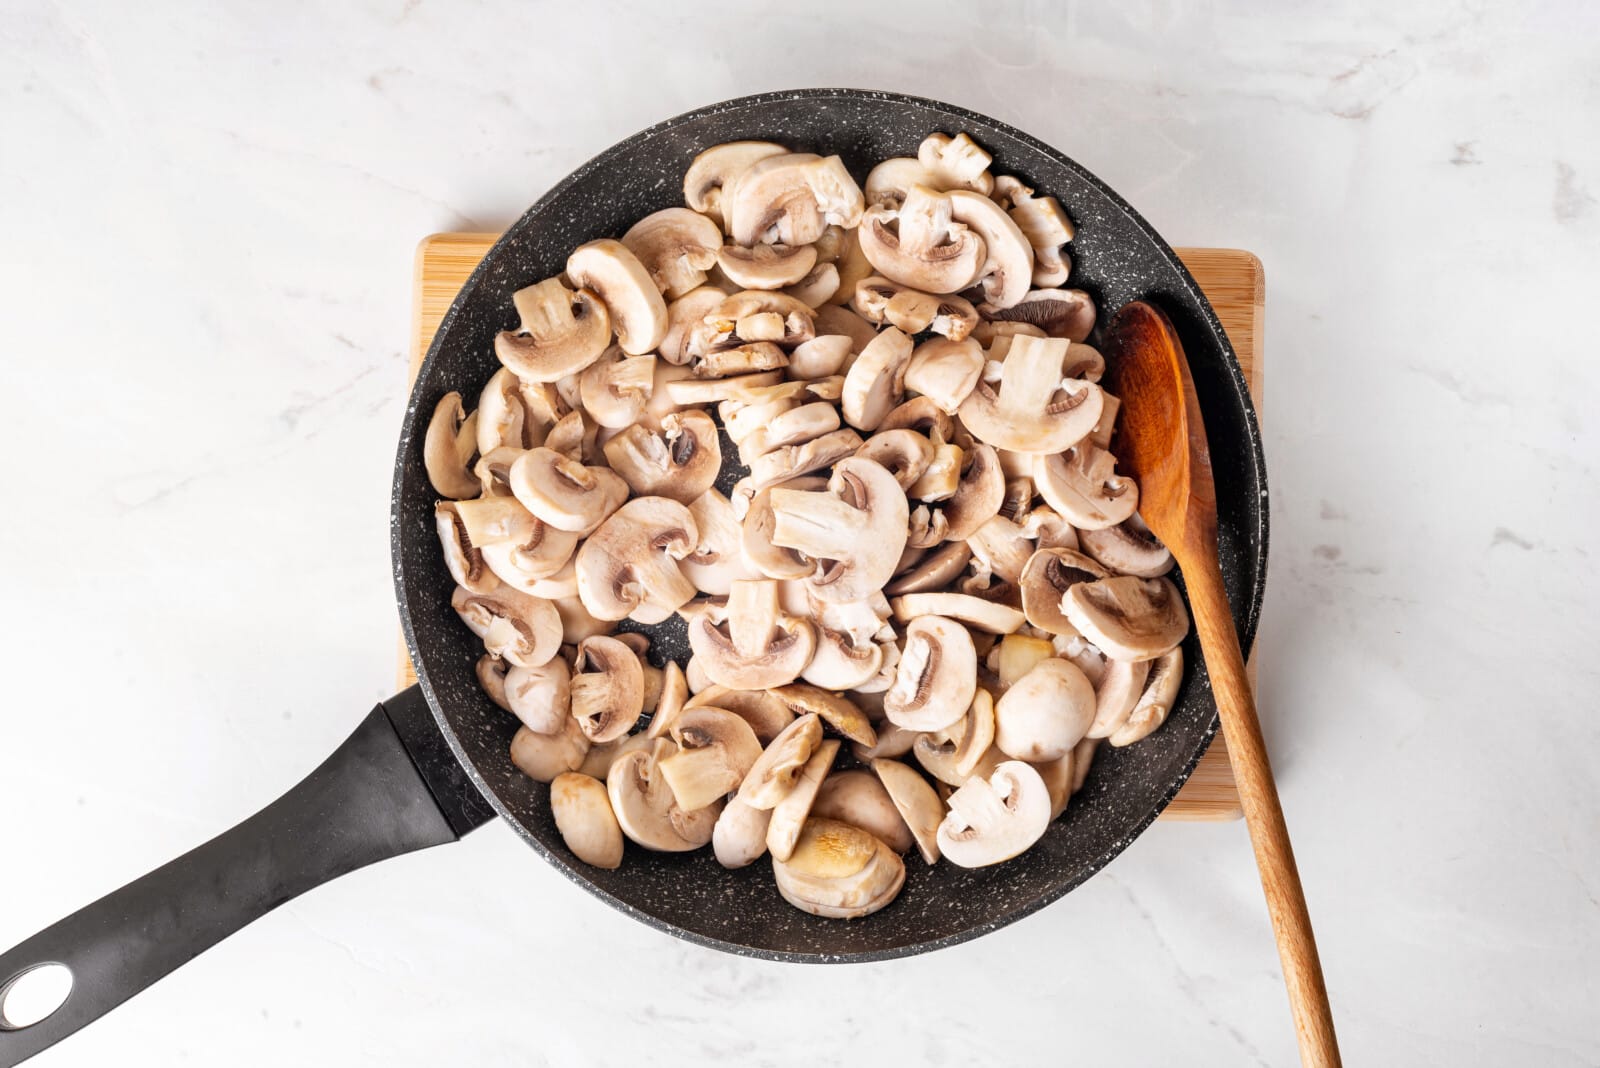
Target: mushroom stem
(752, 615)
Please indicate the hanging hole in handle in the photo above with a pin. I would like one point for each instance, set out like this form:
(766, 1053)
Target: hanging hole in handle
(31, 996)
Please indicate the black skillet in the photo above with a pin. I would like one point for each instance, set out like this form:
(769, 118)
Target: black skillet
(431, 764)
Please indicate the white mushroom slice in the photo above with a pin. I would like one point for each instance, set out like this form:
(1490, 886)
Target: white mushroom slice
(676, 246)
(1003, 547)
(646, 810)
(838, 871)
(1045, 225)
(919, 806)
(832, 319)
(816, 287)
(975, 612)
(875, 383)
(1007, 270)
(717, 559)
(778, 768)
(686, 326)
(740, 836)
(749, 644)
(1116, 695)
(939, 757)
(607, 689)
(541, 757)
(1057, 776)
(936, 677)
(540, 696)
(904, 453)
(715, 390)
(976, 733)
(574, 436)
(945, 371)
(629, 566)
(539, 554)
(1083, 654)
(695, 675)
(1129, 618)
(789, 815)
(957, 162)
(712, 173)
(918, 243)
(680, 462)
(1034, 410)
(859, 799)
(855, 531)
(1048, 530)
(1045, 713)
(638, 314)
(820, 357)
(494, 471)
(790, 199)
(503, 419)
(979, 491)
(880, 300)
(893, 741)
(560, 332)
(448, 447)
(836, 710)
(995, 819)
(523, 630)
(841, 662)
(767, 715)
(1017, 654)
(1082, 759)
(615, 388)
(673, 699)
(1160, 693)
(755, 538)
(1100, 437)
(1067, 313)
(750, 357)
(943, 475)
(766, 266)
(565, 493)
(932, 572)
(716, 749)
(584, 818)
(756, 315)
(794, 426)
(890, 181)
(491, 672)
(1083, 485)
(597, 762)
(461, 558)
(1129, 548)
(1047, 576)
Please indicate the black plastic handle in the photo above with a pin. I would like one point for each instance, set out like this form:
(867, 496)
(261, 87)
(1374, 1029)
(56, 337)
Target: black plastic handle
(368, 801)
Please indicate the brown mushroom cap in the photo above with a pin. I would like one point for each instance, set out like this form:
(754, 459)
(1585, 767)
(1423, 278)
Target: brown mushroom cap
(936, 676)
(1129, 618)
(1045, 580)
(1082, 484)
(629, 566)
(608, 688)
(561, 332)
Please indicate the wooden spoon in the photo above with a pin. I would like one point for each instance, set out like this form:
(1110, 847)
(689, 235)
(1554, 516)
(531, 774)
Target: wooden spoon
(1162, 443)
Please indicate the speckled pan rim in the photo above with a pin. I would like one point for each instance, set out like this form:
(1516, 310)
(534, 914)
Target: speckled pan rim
(1247, 636)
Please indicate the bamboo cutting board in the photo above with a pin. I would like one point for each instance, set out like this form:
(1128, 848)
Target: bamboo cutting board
(1233, 280)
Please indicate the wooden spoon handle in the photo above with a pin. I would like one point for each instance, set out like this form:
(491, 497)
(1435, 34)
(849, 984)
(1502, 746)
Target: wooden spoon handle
(1258, 793)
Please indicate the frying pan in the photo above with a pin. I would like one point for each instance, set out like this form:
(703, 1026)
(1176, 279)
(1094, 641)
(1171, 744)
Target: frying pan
(432, 763)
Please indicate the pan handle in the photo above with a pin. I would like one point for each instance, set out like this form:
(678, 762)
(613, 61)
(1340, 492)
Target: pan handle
(366, 802)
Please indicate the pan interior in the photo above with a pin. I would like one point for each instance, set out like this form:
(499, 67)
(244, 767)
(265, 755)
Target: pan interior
(1117, 258)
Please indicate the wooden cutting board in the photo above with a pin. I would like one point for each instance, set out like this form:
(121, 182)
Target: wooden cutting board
(1232, 279)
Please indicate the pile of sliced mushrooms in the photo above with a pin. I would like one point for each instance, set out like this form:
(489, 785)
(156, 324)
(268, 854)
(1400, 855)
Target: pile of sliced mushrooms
(931, 559)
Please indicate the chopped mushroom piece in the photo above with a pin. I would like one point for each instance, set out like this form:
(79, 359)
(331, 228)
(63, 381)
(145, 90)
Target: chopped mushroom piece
(740, 837)
(995, 818)
(1035, 410)
(973, 611)
(629, 566)
(1082, 484)
(461, 558)
(859, 799)
(638, 314)
(1129, 548)
(448, 447)
(945, 371)
(936, 677)
(714, 171)
(565, 493)
(524, 630)
(778, 768)
(916, 802)
(767, 266)
(855, 531)
(919, 244)
(749, 643)
(646, 809)
(1116, 695)
(1046, 578)
(790, 199)
(766, 715)
(676, 246)
(540, 696)
(1161, 691)
(836, 710)
(838, 871)
(680, 462)
(716, 749)
(1129, 618)
(1007, 269)
(875, 382)
(608, 688)
(615, 388)
(789, 815)
(560, 333)
(1067, 313)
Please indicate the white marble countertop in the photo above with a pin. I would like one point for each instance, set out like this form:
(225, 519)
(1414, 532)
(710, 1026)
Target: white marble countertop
(208, 214)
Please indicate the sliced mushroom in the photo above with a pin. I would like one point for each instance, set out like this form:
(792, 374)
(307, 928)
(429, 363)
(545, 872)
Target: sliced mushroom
(565, 493)
(833, 319)
(598, 761)
(875, 383)
(1047, 529)
(1007, 270)
(1003, 547)
(838, 871)
(789, 815)
(880, 300)
(574, 436)
(778, 768)
(795, 426)
(1116, 695)
(855, 531)
(676, 246)
(608, 688)
(1045, 225)
(560, 332)
(786, 462)
(646, 809)
(936, 677)
(919, 807)
(945, 371)
(716, 749)
(713, 172)
(687, 332)
(918, 243)
(1057, 776)
(842, 661)
(1034, 410)
(976, 733)
(1046, 578)
(680, 462)
(976, 612)
(749, 644)
(979, 491)
(576, 622)
(491, 672)
(615, 388)
(1129, 548)
(1067, 313)
(995, 818)
(1017, 654)
(448, 447)
(941, 757)
(836, 710)
(1129, 618)
(756, 315)
(540, 696)
(584, 818)
(638, 314)
(822, 356)
(893, 741)
(816, 287)
(790, 199)
(757, 549)
(859, 799)
(934, 571)
(629, 566)
(1160, 693)
(766, 266)
(461, 558)
(904, 453)
(740, 836)
(717, 559)
(1082, 759)
(714, 390)
(766, 715)
(494, 471)
(523, 630)
(1045, 713)
(539, 552)
(943, 475)
(1083, 485)
(1083, 654)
